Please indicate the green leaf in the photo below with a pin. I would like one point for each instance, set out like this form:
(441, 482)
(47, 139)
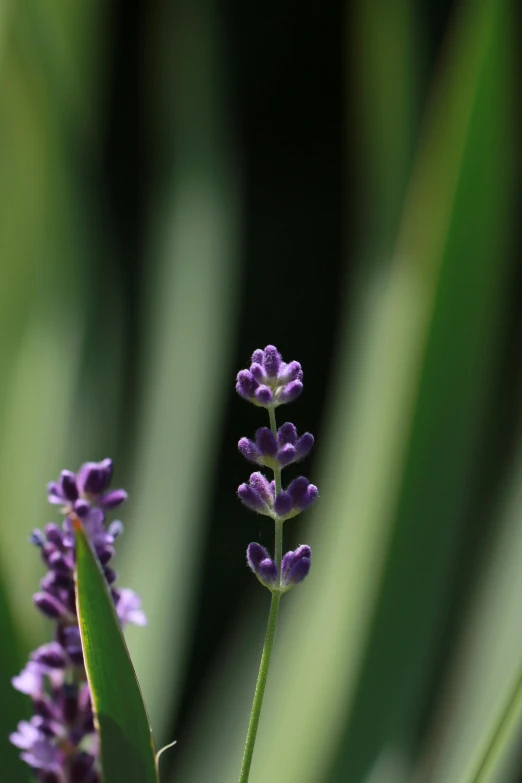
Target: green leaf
(127, 748)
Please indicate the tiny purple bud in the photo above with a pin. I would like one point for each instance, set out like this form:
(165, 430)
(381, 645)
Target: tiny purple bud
(68, 485)
(115, 529)
(55, 493)
(262, 486)
(262, 564)
(283, 504)
(287, 433)
(258, 372)
(105, 553)
(295, 566)
(271, 361)
(251, 499)
(302, 492)
(112, 499)
(91, 478)
(60, 563)
(54, 534)
(286, 455)
(267, 572)
(304, 445)
(249, 450)
(49, 605)
(30, 680)
(266, 442)
(258, 356)
(82, 508)
(290, 372)
(246, 384)
(129, 608)
(110, 575)
(290, 392)
(263, 395)
(37, 538)
(51, 655)
(255, 554)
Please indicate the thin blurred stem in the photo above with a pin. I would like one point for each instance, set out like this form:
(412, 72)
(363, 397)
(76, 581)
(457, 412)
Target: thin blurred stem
(260, 687)
(270, 633)
(497, 743)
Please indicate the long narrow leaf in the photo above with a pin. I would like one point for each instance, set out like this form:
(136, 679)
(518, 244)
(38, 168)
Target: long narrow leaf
(127, 749)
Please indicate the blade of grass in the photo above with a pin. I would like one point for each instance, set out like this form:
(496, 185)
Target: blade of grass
(127, 748)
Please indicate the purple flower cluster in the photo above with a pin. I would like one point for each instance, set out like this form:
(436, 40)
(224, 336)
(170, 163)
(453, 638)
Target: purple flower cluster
(268, 383)
(60, 742)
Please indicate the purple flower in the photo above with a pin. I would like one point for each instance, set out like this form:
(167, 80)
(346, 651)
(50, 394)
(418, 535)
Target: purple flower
(295, 566)
(277, 452)
(89, 487)
(60, 741)
(270, 382)
(262, 565)
(128, 608)
(259, 495)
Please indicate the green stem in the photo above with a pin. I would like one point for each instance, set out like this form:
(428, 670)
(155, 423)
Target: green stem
(270, 633)
(504, 731)
(260, 687)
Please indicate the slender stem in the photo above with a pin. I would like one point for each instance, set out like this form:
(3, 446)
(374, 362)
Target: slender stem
(278, 553)
(503, 732)
(260, 687)
(270, 633)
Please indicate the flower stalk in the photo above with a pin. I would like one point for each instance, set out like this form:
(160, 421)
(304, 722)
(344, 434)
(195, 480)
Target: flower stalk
(270, 383)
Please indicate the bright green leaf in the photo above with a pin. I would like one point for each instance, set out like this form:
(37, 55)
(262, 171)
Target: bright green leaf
(127, 748)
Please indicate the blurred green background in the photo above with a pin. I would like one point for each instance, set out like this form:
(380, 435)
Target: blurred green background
(183, 182)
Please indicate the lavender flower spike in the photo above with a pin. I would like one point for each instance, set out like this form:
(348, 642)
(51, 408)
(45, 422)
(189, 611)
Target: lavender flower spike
(60, 742)
(269, 382)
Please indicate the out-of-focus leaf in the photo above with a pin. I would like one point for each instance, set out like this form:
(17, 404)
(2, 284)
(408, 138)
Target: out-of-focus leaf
(189, 313)
(127, 748)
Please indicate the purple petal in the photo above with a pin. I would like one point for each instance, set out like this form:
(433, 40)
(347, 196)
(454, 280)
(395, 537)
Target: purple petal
(91, 478)
(290, 372)
(112, 499)
(51, 655)
(251, 499)
(295, 565)
(286, 455)
(25, 736)
(115, 529)
(266, 442)
(82, 507)
(30, 680)
(37, 538)
(302, 492)
(68, 485)
(304, 445)
(267, 572)
(246, 384)
(54, 493)
(129, 608)
(287, 433)
(60, 562)
(258, 372)
(42, 755)
(255, 554)
(262, 486)
(271, 361)
(290, 392)
(298, 571)
(249, 450)
(49, 605)
(283, 504)
(263, 395)
(54, 534)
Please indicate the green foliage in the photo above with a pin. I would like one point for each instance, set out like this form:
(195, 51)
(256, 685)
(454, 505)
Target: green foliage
(127, 748)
